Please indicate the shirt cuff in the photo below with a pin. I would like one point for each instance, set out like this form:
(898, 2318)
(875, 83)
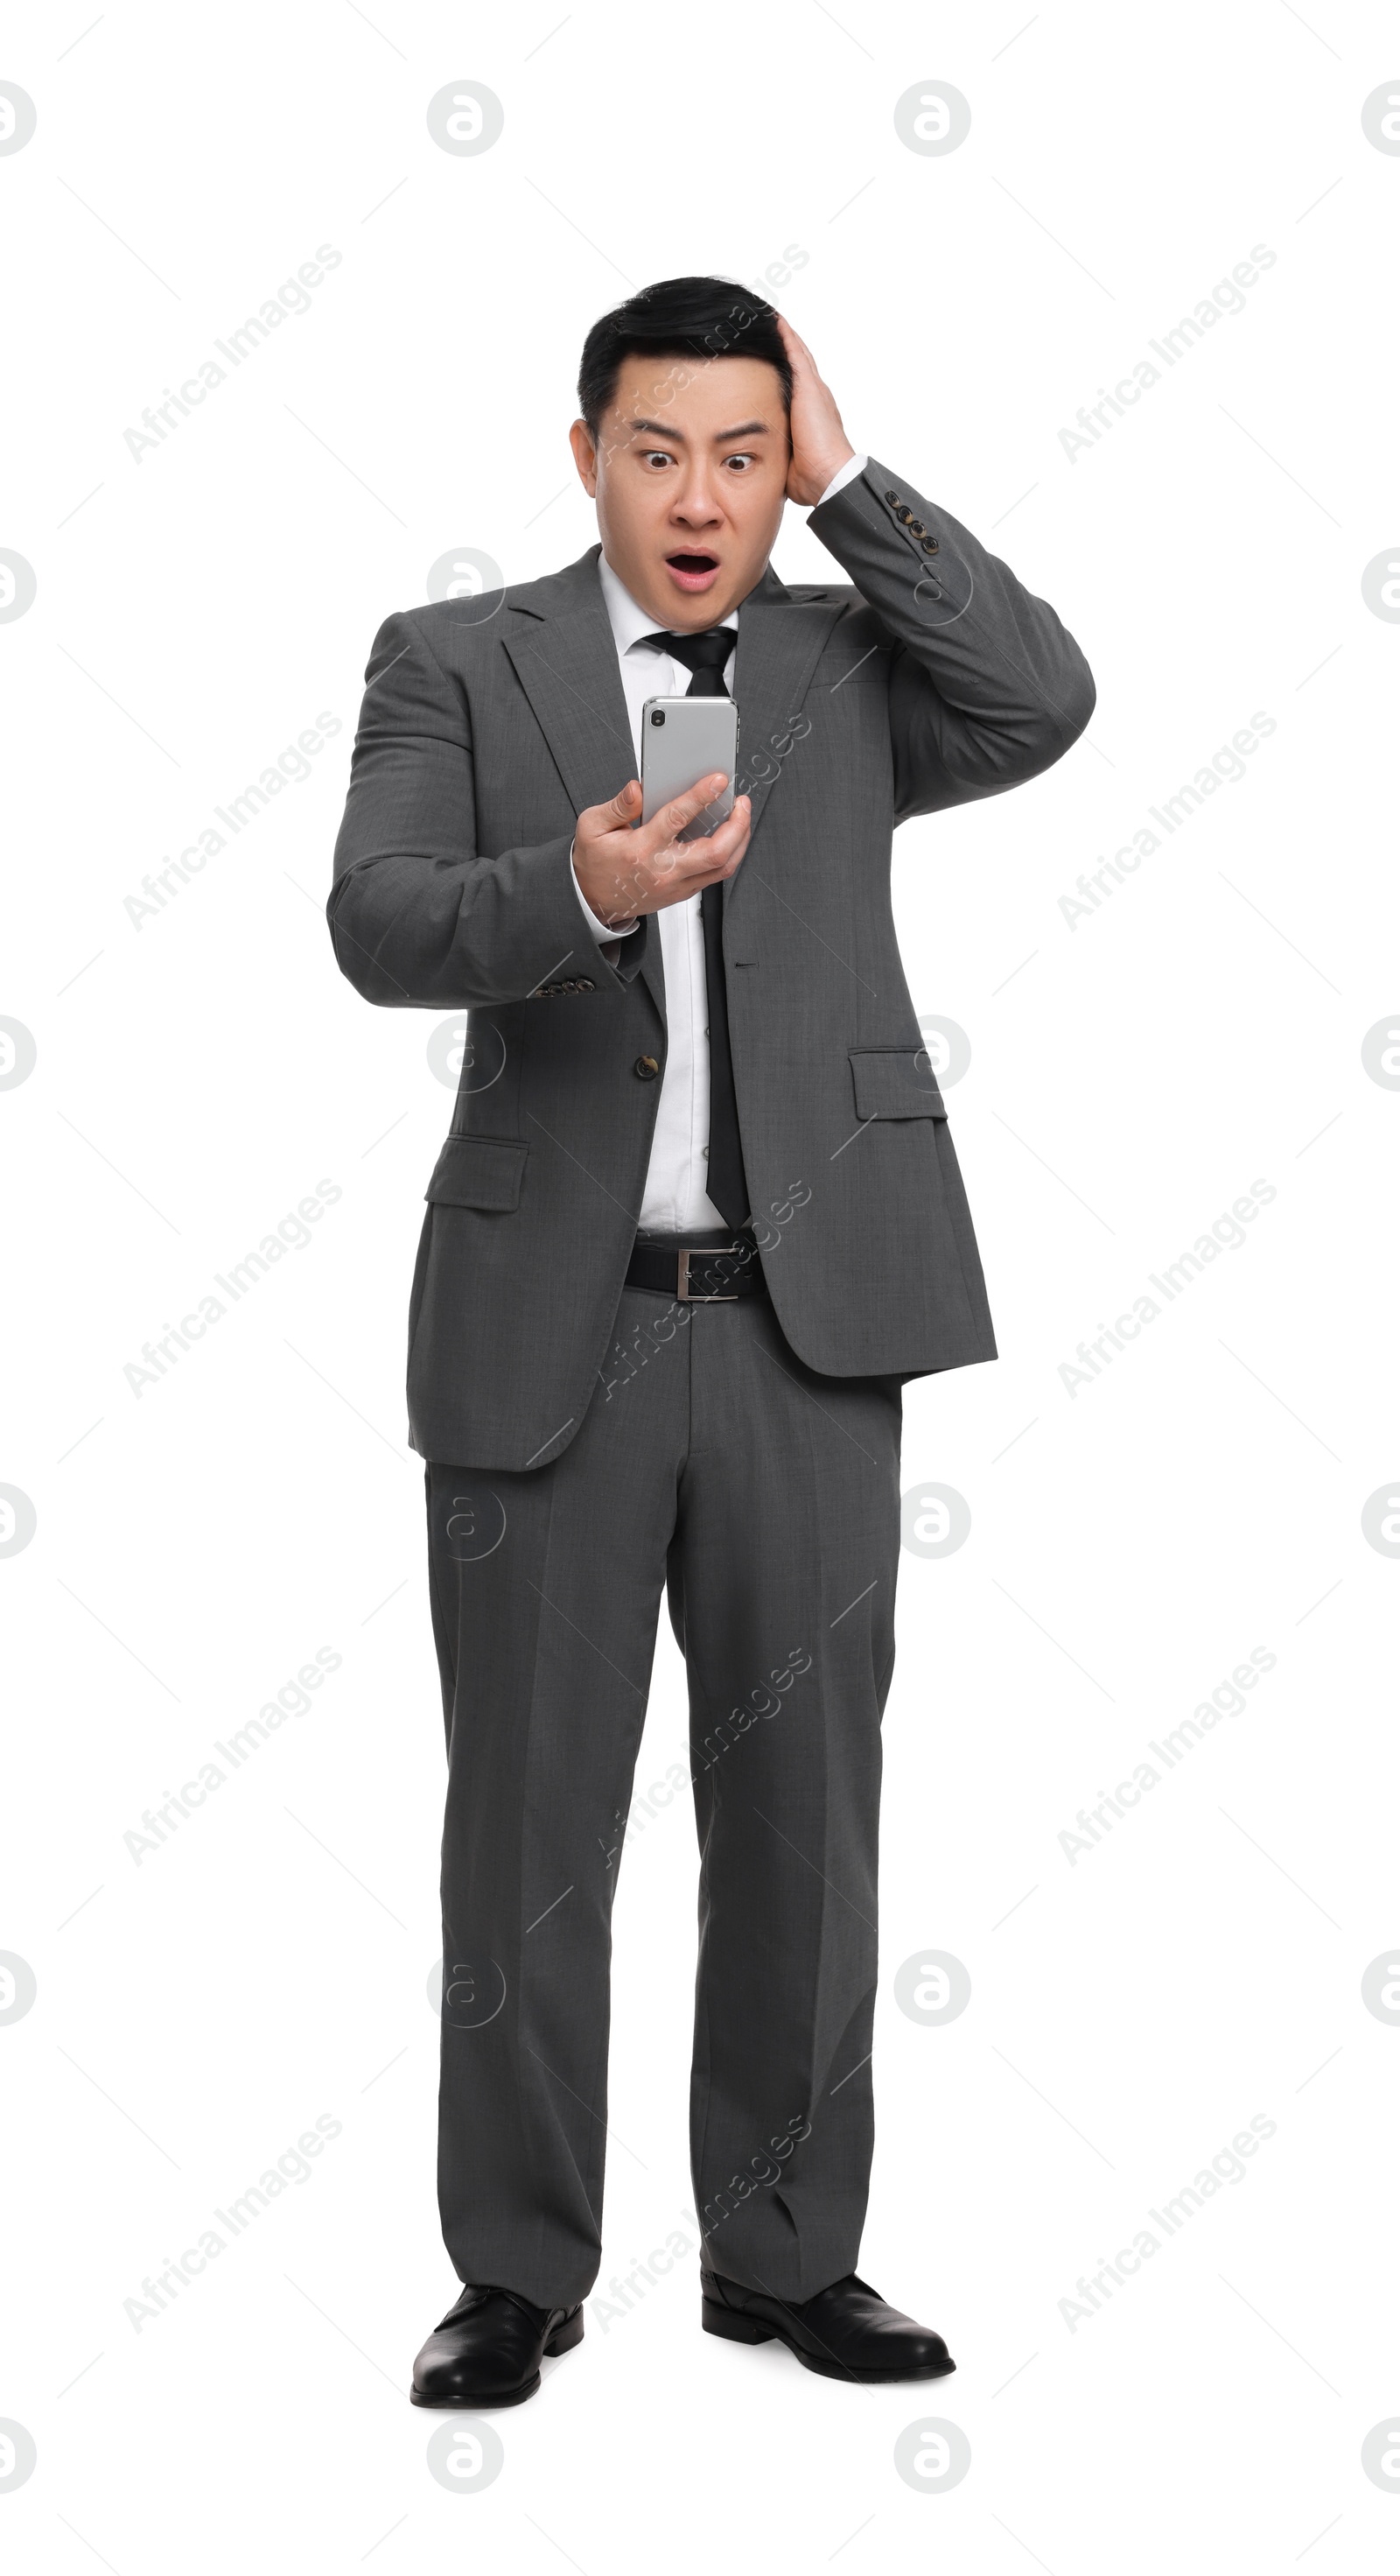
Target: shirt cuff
(602, 931)
(844, 474)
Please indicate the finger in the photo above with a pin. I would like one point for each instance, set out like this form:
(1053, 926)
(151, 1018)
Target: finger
(694, 864)
(680, 866)
(685, 808)
(707, 852)
(688, 882)
(725, 838)
(719, 873)
(596, 821)
(736, 854)
(677, 861)
(673, 818)
(736, 820)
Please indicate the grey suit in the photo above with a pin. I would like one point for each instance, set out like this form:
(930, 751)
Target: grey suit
(590, 1445)
(488, 725)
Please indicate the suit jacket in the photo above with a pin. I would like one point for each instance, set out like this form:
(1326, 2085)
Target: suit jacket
(488, 724)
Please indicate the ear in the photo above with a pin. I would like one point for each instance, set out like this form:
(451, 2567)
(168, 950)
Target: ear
(585, 450)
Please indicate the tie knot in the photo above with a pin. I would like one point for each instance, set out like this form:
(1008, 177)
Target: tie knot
(707, 652)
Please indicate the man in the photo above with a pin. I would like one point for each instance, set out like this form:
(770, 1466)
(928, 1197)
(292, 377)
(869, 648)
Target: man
(693, 1078)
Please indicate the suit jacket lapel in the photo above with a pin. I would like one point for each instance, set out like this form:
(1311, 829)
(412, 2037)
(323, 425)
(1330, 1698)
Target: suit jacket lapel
(561, 645)
(565, 657)
(780, 643)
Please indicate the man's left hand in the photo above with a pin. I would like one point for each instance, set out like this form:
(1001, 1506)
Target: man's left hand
(820, 446)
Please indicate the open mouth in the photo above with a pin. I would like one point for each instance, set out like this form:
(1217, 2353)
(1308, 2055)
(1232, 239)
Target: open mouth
(693, 570)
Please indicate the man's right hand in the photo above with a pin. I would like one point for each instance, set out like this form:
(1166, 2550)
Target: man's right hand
(625, 869)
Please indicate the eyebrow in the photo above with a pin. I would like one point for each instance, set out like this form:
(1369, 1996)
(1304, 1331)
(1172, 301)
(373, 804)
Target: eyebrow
(660, 429)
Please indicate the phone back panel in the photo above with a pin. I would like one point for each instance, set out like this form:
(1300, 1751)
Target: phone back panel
(695, 736)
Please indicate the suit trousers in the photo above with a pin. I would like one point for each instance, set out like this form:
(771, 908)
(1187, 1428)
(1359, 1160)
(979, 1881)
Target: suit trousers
(765, 1498)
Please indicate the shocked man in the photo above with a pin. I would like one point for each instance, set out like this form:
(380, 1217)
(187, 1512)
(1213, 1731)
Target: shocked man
(693, 1078)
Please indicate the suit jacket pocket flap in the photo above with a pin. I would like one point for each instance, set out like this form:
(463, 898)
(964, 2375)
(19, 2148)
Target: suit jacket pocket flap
(478, 1172)
(895, 1082)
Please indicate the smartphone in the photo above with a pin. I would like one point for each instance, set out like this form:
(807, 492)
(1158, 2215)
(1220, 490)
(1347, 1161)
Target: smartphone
(683, 739)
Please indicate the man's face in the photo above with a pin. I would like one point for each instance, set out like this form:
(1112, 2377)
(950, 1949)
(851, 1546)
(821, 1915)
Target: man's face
(689, 472)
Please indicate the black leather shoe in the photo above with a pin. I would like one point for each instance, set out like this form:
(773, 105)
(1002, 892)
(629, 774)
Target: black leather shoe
(487, 2350)
(845, 2332)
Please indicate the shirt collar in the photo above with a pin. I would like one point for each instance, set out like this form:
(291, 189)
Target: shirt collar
(630, 623)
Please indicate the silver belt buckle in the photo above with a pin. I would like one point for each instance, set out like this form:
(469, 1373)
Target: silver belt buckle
(689, 1296)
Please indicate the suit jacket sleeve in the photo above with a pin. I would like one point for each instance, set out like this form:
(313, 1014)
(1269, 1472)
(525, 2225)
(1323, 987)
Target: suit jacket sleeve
(986, 686)
(419, 916)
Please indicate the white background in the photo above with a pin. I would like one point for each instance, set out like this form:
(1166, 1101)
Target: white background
(1131, 1542)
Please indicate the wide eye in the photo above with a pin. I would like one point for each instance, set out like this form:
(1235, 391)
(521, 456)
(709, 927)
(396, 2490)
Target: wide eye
(741, 462)
(657, 456)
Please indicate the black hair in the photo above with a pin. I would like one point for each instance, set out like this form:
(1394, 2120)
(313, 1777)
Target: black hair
(682, 317)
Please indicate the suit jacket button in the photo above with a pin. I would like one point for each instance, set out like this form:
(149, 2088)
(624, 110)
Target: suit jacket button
(646, 1068)
(904, 513)
(917, 528)
(930, 545)
(891, 497)
(586, 984)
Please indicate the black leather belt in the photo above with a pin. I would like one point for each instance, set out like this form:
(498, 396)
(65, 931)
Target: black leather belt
(705, 1274)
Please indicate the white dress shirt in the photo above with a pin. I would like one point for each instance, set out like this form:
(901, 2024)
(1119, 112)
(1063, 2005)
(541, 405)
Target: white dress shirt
(674, 1200)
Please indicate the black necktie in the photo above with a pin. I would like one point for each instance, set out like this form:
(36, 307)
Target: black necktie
(704, 656)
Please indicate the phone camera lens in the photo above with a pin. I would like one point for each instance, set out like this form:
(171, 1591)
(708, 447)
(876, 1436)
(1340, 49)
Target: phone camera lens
(658, 715)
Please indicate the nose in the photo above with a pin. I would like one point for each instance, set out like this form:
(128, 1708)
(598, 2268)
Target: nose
(696, 504)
